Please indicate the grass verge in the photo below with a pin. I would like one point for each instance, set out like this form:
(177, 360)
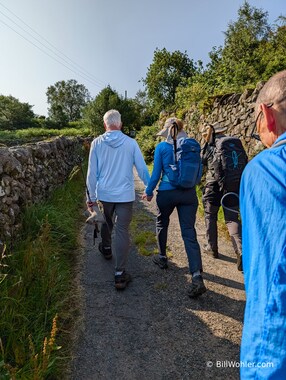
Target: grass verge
(26, 135)
(142, 233)
(36, 283)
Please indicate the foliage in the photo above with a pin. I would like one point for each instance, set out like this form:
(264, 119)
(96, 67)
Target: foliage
(194, 92)
(30, 134)
(36, 287)
(147, 141)
(66, 100)
(144, 108)
(130, 115)
(253, 51)
(14, 114)
(109, 99)
(76, 125)
(240, 64)
(143, 234)
(46, 123)
(273, 51)
(164, 75)
(93, 113)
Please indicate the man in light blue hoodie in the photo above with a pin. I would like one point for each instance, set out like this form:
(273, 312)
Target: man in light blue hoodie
(110, 180)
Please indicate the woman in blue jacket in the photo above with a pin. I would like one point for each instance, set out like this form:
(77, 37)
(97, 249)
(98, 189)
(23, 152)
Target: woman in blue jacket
(168, 198)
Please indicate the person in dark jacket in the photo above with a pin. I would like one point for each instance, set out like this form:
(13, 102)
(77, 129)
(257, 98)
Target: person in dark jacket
(212, 195)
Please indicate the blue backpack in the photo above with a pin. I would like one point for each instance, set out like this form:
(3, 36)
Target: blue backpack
(186, 172)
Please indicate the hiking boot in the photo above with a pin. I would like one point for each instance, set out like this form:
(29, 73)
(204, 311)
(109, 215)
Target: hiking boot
(197, 287)
(239, 263)
(211, 252)
(162, 262)
(106, 251)
(121, 280)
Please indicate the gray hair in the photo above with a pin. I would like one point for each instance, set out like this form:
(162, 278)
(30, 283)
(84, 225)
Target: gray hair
(112, 118)
(274, 91)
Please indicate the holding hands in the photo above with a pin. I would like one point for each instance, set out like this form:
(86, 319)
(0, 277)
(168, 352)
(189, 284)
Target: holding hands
(147, 197)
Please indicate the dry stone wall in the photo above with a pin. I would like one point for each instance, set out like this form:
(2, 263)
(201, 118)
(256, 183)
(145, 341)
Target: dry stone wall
(29, 173)
(234, 111)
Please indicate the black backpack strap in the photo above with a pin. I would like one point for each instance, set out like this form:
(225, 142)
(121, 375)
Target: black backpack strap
(212, 140)
(174, 133)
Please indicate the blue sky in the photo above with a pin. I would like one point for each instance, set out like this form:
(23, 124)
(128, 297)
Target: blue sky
(101, 42)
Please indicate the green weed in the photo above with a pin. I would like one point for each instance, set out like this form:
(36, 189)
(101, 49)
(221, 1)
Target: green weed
(160, 286)
(142, 233)
(36, 301)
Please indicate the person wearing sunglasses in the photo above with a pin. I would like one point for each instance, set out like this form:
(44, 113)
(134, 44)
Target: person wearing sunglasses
(263, 212)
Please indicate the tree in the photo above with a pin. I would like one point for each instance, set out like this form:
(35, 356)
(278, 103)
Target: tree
(192, 91)
(66, 100)
(243, 39)
(143, 106)
(238, 64)
(93, 113)
(165, 74)
(109, 99)
(253, 51)
(14, 114)
(130, 114)
(147, 141)
(273, 52)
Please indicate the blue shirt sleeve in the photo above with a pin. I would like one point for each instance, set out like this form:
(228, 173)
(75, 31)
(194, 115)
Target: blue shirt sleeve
(157, 171)
(140, 165)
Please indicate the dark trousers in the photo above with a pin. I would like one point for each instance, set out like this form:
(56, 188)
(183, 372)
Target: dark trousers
(186, 203)
(211, 201)
(123, 216)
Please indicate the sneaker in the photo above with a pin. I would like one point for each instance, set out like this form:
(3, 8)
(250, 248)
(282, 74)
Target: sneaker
(211, 252)
(162, 262)
(239, 263)
(121, 280)
(106, 251)
(197, 287)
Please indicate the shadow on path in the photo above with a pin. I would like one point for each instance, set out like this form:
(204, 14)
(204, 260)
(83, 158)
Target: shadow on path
(153, 330)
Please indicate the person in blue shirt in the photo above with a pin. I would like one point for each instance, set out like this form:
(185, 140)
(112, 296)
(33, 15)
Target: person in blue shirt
(110, 180)
(263, 212)
(168, 198)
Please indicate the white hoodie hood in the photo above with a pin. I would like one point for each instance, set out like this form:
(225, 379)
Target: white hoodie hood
(114, 138)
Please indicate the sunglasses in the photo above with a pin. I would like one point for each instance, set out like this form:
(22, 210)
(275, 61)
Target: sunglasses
(254, 134)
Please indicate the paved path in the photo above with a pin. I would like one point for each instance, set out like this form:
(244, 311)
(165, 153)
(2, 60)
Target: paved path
(153, 330)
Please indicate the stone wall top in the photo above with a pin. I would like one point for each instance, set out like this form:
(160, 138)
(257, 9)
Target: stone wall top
(28, 174)
(234, 111)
